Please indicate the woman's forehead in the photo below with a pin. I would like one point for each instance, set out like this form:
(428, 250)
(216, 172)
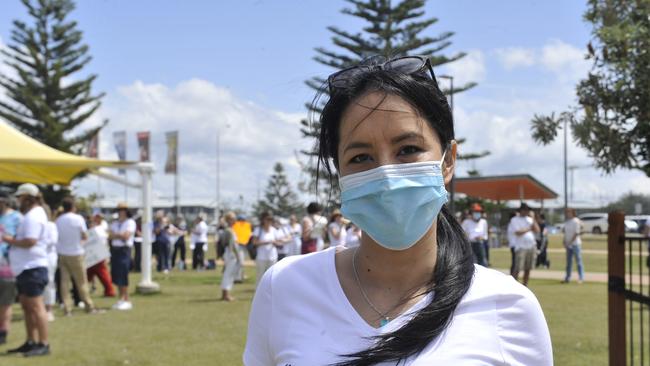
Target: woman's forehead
(376, 111)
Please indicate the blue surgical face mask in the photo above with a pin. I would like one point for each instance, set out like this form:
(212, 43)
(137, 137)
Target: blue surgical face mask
(395, 204)
(476, 215)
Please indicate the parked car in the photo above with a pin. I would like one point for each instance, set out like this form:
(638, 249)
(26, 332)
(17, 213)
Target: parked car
(595, 223)
(640, 220)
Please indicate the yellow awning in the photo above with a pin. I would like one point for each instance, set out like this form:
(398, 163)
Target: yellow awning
(25, 160)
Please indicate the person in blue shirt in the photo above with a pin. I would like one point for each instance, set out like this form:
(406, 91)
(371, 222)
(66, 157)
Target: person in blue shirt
(9, 222)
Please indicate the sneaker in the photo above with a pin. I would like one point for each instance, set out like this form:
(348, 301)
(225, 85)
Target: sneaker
(124, 305)
(50, 316)
(117, 305)
(39, 349)
(28, 345)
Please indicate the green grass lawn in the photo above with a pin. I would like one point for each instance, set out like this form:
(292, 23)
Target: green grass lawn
(187, 325)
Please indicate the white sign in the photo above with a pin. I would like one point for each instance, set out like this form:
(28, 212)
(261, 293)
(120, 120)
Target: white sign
(96, 249)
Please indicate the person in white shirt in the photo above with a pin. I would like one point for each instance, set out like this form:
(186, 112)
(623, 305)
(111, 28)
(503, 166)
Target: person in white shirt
(410, 294)
(524, 228)
(199, 242)
(265, 239)
(313, 229)
(336, 232)
(72, 235)
(285, 241)
(28, 259)
(573, 244)
(231, 258)
(512, 241)
(476, 229)
(296, 235)
(121, 235)
(99, 228)
(52, 238)
(353, 236)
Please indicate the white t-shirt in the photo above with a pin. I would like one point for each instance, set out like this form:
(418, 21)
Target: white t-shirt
(475, 230)
(318, 226)
(301, 316)
(527, 240)
(33, 227)
(267, 252)
(334, 241)
(572, 227)
(70, 226)
(352, 239)
(52, 237)
(118, 227)
(296, 234)
(200, 233)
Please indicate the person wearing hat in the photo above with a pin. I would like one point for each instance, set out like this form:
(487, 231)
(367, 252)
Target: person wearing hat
(9, 221)
(121, 236)
(524, 228)
(336, 232)
(476, 228)
(29, 262)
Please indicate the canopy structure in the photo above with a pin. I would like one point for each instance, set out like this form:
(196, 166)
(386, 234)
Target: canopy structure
(25, 160)
(504, 188)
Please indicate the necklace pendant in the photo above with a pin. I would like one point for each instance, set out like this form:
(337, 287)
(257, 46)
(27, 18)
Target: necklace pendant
(384, 321)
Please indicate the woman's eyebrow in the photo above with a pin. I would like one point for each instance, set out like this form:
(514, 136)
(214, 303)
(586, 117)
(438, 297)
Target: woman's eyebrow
(406, 136)
(357, 145)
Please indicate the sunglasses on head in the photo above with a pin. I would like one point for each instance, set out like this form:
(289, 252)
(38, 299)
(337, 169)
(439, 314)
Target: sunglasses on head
(409, 65)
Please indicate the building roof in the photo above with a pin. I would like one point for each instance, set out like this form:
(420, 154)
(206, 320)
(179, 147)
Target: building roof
(504, 188)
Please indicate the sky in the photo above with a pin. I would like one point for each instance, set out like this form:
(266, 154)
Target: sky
(237, 68)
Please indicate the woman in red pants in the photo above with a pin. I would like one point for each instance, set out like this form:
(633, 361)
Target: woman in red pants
(100, 228)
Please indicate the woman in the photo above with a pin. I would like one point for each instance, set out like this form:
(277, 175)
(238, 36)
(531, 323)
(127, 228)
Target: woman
(336, 232)
(121, 236)
(230, 258)
(179, 245)
(199, 242)
(313, 229)
(265, 238)
(296, 233)
(52, 237)
(99, 230)
(28, 260)
(388, 130)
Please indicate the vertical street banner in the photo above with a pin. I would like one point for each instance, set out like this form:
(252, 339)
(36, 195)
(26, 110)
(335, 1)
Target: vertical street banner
(143, 145)
(119, 140)
(92, 147)
(172, 152)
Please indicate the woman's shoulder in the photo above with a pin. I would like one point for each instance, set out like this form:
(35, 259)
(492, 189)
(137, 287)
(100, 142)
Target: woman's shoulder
(297, 270)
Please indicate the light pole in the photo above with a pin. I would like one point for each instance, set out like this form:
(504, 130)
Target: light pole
(566, 195)
(451, 106)
(218, 201)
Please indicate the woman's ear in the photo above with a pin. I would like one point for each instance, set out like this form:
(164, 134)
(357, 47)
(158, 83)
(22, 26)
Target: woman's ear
(449, 165)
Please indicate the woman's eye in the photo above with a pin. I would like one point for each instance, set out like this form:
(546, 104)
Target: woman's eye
(360, 158)
(407, 150)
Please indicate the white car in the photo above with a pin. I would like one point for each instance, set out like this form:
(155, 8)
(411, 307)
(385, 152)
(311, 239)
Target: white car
(596, 223)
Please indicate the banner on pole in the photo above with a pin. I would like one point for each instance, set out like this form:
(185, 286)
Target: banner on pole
(92, 147)
(172, 152)
(143, 145)
(119, 140)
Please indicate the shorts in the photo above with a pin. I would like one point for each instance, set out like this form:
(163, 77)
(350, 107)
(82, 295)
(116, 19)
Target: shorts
(32, 282)
(524, 259)
(7, 292)
(120, 265)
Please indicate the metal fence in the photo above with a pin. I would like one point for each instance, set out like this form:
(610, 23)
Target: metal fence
(628, 295)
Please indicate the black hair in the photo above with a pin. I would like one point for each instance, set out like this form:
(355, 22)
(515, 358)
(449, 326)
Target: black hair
(454, 268)
(314, 207)
(68, 204)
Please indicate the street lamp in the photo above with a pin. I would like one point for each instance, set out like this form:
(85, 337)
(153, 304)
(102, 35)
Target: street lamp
(218, 201)
(451, 105)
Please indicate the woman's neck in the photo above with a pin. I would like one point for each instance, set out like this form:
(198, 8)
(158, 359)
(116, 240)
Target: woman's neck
(407, 270)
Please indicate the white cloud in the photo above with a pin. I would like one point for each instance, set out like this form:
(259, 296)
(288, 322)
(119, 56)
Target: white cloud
(514, 57)
(566, 61)
(252, 138)
(467, 69)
